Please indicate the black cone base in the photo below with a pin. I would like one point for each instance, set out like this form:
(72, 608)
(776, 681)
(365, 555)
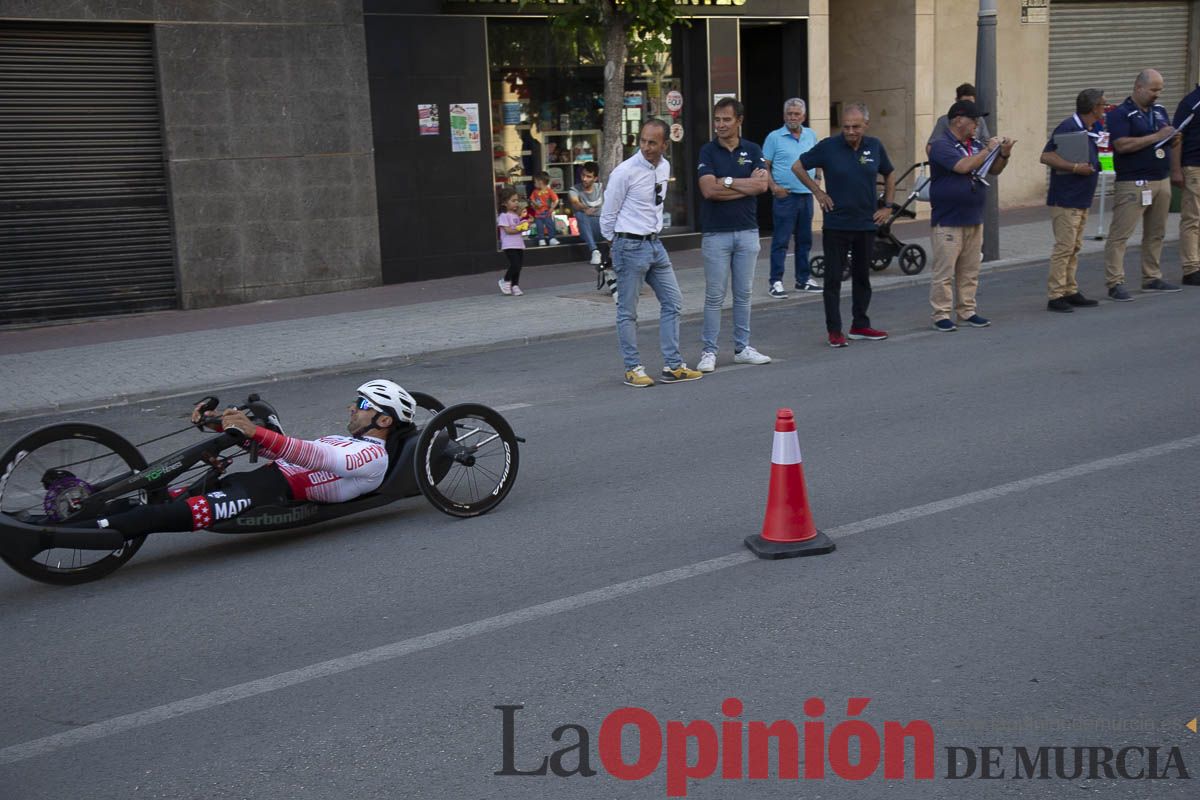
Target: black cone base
(765, 548)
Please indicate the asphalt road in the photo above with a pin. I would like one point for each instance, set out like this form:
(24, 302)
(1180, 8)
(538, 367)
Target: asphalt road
(1051, 600)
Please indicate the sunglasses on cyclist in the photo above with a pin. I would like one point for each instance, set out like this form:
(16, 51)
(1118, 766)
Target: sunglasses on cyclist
(362, 404)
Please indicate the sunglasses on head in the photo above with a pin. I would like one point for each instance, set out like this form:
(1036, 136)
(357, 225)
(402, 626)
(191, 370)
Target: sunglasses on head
(362, 403)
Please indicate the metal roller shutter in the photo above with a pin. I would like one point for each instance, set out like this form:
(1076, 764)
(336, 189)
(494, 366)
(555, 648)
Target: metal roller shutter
(84, 222)
(1106, 44)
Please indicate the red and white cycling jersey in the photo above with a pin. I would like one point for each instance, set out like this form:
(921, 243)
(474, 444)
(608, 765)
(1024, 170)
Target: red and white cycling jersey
(331, 469)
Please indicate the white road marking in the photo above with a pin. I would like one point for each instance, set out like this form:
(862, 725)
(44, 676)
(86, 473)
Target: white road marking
(242, 691)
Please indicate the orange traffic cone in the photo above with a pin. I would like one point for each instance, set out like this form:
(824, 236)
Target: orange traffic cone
(788, 529)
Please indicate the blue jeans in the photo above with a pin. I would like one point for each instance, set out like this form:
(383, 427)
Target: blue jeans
(728, 256)
(543, 226)
(793, 218)
(589, 229)
(635, 261)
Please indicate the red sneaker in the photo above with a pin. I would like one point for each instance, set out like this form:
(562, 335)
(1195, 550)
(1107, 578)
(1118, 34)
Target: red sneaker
(837, 339)
(867, 333)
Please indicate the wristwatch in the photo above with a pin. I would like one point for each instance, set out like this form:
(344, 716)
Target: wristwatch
(729, 183)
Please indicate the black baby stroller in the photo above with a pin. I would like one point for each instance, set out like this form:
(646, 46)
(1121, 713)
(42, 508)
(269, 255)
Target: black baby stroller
(887, 247)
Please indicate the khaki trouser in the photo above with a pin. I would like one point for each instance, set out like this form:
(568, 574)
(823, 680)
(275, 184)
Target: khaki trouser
(1127, 211)
(956, 259)
(1189, 221)
(1068, 225)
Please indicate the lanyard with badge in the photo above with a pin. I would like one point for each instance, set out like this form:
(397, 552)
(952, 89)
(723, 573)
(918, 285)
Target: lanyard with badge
(1159, 153)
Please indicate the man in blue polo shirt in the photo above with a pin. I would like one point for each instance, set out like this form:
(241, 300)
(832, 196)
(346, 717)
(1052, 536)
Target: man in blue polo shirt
(957, 194)
(851, 162)
(792, 209)
(1185, 173)
(732, 174)
(1140, 134)
(1072, 185)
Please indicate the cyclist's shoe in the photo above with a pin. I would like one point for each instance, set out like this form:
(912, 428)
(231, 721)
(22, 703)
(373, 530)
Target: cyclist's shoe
(637, 377)
(680, 374)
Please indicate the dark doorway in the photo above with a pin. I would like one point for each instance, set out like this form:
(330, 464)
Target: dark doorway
(774, 67)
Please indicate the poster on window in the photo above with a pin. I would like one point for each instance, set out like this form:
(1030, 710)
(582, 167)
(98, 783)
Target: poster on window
(464, 127)
(427, 119)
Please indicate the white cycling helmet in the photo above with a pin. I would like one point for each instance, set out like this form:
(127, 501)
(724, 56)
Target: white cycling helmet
(390, 398)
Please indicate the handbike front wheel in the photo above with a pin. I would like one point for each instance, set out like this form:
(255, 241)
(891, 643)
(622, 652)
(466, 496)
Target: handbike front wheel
(43, 479)
(466, 460)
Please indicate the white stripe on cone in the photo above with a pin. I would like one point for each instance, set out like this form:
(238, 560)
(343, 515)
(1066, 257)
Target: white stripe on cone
(786, 448)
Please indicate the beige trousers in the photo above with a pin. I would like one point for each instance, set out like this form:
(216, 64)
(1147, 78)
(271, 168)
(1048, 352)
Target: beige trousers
(1189, 221)
(1127, 212)
(1068, 225)
(956, 259)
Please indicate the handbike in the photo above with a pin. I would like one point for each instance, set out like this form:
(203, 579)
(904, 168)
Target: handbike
(463, 459)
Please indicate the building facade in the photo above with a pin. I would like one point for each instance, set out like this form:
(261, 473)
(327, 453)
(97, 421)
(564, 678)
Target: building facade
(196, 154)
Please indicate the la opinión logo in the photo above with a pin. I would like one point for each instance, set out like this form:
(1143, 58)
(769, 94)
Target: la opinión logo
(633, 745)
(718, 748)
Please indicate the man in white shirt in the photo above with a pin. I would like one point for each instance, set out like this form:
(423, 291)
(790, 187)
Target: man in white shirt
(632, 220)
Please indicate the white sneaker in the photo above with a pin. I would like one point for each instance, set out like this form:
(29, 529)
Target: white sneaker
(777, 291)
(516, 290)
(541, 242)
(708, 362)
(553, 240)
(812, 286)
(596, 259)
(748, 356)
(505, 286)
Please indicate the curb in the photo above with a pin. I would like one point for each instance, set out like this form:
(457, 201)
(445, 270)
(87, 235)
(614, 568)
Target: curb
(883, 283)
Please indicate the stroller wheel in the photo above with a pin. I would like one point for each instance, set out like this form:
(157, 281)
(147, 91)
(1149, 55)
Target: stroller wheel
(816, 265)
(912, 259)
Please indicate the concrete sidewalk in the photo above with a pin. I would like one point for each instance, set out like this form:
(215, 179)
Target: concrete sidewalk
(113, 361)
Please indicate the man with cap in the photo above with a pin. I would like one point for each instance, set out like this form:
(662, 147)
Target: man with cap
(1142, 137)
(1072, 186)
(964, 91)
(957, 194)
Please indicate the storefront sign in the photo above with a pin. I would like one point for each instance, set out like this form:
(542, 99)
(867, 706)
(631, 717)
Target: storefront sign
(676, 132)
(427, 119)
(674, 101)
(464, 127)
(512, 112)
(1036, 11)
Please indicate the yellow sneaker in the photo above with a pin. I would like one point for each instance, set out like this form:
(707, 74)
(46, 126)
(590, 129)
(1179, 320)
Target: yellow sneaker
(638, 378)
(680, 374)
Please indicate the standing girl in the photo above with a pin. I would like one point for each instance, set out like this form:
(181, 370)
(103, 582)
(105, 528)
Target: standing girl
(512, 240)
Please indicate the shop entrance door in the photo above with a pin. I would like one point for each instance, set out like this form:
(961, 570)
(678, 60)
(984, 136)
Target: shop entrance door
(774, 67)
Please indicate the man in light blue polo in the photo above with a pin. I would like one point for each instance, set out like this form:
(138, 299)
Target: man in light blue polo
(793, 203)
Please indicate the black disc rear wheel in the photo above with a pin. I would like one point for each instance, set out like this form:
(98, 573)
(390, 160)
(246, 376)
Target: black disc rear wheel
(466, 460)
(46, 476)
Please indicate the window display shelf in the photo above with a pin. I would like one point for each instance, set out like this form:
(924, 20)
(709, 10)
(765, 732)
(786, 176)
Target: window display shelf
(564, 151)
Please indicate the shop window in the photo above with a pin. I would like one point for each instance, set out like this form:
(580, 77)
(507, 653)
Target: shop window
(548, 112)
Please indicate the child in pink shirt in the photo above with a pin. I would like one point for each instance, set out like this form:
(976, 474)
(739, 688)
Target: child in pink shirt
(512, 239)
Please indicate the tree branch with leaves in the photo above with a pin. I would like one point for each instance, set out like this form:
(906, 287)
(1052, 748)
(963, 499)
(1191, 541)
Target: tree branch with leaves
(634, 30)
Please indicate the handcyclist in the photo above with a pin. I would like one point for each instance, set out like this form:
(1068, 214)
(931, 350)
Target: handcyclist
(332, 469)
